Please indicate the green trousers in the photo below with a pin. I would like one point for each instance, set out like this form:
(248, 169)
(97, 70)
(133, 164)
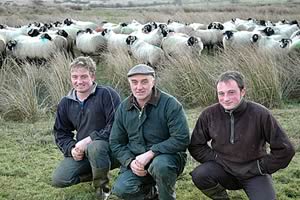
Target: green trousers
(94, 167)
(162, 172)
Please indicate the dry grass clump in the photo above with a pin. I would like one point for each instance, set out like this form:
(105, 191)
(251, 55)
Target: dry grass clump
(57, 79)
(20, 92)
(191, 80)
(29, 91)
(115, 71)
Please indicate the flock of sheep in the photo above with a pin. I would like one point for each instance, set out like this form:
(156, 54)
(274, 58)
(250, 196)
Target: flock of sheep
(149, 43)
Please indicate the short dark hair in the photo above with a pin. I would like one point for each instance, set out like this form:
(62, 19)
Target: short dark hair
(232, 75)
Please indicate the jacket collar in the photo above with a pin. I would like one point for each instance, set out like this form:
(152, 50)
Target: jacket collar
(155, 95)
(239, 109)
(72, 92)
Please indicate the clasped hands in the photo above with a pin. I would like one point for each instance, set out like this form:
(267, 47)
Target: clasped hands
(80, 147)
(138, 164)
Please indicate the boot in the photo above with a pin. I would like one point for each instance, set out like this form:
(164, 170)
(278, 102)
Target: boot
(216, 193)
(152, 194)
(100, 183)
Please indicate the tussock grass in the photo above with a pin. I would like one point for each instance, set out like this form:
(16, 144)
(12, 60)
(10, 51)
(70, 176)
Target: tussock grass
(191, 80)
(117, 66)
(20, 92)
(57, 79)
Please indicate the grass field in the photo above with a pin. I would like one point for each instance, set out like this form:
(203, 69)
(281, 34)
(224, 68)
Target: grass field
(29, 155)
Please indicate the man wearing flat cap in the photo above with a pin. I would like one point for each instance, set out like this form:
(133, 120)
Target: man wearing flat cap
(149, 137)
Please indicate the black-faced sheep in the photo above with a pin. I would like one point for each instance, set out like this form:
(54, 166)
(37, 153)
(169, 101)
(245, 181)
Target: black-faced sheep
(145, 52)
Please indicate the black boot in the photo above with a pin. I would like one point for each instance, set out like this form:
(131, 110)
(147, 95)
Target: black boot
(216, 193)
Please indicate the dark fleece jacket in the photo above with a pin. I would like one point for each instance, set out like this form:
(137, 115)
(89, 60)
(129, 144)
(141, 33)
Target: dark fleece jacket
(238, 140)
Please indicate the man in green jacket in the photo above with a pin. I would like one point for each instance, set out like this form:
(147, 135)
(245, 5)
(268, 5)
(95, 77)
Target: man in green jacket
(149, 137)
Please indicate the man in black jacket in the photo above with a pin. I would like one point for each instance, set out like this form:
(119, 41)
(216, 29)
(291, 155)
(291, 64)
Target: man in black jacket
(237, 157)
(82, 127)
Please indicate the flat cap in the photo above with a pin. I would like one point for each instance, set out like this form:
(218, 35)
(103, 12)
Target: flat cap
(141, 69)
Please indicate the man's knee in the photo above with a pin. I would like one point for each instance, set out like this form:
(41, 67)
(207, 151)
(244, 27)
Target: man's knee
(199, 173)
(202, 177)
(98, 148)
(60, 181)
(164, 169)
(123, 188)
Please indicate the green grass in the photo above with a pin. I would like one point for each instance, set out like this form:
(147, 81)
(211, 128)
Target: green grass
(29, 156)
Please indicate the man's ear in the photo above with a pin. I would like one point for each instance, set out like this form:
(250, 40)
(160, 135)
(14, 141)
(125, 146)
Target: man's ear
(243, 92)
(93, 76)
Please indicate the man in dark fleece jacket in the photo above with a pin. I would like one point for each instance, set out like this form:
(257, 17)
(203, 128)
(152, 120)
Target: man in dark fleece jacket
(82, 127)
(237, 157)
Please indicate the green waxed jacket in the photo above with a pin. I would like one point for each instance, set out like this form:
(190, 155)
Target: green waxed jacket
(160, 126)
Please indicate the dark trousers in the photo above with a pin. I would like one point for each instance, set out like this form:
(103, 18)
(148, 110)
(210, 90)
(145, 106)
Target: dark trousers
(163, 171)
(95, 165)
(210, 174)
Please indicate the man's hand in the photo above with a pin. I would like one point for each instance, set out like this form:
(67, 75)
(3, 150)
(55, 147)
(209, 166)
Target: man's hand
(77, 154)
(137, 168)
(82, 144)
(145, 158)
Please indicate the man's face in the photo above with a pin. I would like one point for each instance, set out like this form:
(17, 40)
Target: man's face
(141, 87)
(229, 94)
(82, 80)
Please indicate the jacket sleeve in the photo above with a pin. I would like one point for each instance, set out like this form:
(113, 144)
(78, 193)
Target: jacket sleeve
(110, 102)
(119, 139)
(199, 148)
(63, 130)
(178, 129)
(281, 149)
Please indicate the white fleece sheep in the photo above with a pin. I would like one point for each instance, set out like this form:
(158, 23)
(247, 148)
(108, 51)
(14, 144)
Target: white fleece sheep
(2, 46)
(240, 39)
(40, 47)
(176, 45)
(145, 52)
(81, 24)
(115, 42)
(154, 37)
(269, 45)
(90, 43)
(180, 28)
(209, 37)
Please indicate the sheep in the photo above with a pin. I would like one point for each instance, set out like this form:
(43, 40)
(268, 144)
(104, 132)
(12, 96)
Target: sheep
(90, 42)
(209, 37)
(269, 45)
(26, 47)
(240, 39)
(245, 25)
(114, 27)
(154, 37)
(198, 26)
(295, 44)
(132, 27)
(80, 24)
(69, 40)
(176, 45)
(295, 35)
(115, 42)
(286, 30)
(2, 49)
(9, 33)
(179, 27)
(145, 52)
(215, 25)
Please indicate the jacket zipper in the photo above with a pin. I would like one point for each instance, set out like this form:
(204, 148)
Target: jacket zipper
(231, 128)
